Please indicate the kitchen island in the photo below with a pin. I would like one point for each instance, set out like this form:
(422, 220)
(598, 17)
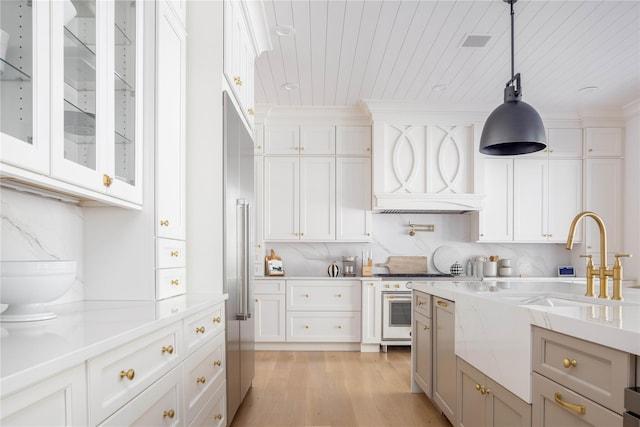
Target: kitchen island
(496, 324)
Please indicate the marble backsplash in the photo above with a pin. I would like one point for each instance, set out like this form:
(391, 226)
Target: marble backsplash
(37, 228)
(391, 237)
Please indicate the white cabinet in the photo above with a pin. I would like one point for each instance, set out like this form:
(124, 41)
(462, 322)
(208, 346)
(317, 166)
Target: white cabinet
(353, 199)
(353, 140)
(318, 139)
(371, 311)
(320, 311)
(56, 401)
(72, 98)
(304, 139)
(444, 358)
(603, 188)
(547, 195)
(239, 56)
(496, 218)
(270, 310)
(258, 235)
(148, 247)
(485, 403)
(299, 198)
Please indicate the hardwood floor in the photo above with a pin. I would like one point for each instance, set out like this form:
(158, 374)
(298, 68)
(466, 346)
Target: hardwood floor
(335, 389)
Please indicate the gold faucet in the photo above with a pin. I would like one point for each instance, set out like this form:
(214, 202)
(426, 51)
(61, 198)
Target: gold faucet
(602, 272)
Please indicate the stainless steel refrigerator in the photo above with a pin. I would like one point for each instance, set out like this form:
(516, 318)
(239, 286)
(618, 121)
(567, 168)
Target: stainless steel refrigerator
(238, 278)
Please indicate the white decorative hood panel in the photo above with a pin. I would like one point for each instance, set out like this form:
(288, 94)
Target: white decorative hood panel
(423, 168)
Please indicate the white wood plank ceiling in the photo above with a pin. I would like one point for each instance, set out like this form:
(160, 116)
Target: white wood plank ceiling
(345, 51)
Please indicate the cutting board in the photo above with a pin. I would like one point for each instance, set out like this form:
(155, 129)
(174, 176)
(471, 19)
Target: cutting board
(406, 264)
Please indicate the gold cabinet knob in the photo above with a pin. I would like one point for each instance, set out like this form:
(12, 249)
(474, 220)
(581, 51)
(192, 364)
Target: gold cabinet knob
(302, 234)
(167, 349)
(484, 390)
(164, 223)
(568, 363)
(129, 374)
(175, 253)
(425, 328)
(251, 112)
(175, 282)
(339, 295)
(218, 416)
(590, 150)
(306, 326)
(478, 387)
(217, 363)
(301, 148)
(339, 326)
(217, 319)
(107, 180)
(481, 234)
(420, 302)
(442, 303)
(200, 380)
(237, 80)
(170, 413)
(306, 295)
(200, 330)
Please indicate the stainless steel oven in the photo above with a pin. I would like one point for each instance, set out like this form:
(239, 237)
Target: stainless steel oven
(396, 318)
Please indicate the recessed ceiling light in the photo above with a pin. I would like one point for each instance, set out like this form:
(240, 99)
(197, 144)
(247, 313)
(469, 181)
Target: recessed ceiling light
(475, 40)
(588, 89)
(439, 88)
(290, 86)
(284, 30)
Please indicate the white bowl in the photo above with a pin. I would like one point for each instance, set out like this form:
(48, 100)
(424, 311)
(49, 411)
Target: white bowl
(26, 285)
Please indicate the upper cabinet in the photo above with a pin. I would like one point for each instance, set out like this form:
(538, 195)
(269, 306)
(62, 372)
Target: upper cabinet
(73, 97)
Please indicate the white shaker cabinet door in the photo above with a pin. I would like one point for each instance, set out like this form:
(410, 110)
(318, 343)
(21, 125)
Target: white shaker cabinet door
(530, 181)
(270, 318)
(565, 198)
(353, 140)
(319, 139)
(317, 198)
(281, 198)
(496, 218)
(353, 199)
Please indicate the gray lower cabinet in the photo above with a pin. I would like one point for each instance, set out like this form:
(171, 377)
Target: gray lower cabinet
(483, 402)
(422, 351)
(444, 358)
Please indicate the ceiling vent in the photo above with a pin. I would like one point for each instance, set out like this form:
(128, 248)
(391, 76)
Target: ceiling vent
(475, 40)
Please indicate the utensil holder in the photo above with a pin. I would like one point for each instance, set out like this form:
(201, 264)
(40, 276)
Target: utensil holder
(490, 269)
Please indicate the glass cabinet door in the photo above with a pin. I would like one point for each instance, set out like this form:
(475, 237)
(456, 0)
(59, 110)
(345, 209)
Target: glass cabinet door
(24, 71)
(80, 83)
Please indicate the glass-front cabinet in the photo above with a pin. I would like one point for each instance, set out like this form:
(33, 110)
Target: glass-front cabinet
(93, 140)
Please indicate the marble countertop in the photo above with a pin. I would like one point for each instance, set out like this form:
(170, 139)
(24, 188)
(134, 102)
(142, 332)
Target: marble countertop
(32, 351)
(493, 323)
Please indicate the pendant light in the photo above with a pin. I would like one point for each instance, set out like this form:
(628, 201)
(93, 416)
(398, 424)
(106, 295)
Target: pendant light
(515, 127)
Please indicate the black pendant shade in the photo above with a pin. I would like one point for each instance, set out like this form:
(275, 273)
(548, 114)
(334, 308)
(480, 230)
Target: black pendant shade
(515, 127)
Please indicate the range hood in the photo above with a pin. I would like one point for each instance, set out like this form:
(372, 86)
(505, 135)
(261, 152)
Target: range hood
(427, 203)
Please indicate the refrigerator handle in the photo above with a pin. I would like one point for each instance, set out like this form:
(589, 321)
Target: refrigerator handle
(244, 267)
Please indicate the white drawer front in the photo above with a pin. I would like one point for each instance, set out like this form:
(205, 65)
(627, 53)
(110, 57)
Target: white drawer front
(204, 371)
(159, 405)
(323, 326)
(215, 410)
(324, 296)
(118, 375)
(201, 327)
(170, 253)
(171, 282)
(269, 287)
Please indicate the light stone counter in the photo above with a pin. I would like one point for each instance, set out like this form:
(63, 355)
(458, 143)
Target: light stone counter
(33, 351)
(493, 326)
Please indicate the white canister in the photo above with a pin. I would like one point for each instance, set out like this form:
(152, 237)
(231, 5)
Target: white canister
(504, 262)
(505, 271)
(490, 269)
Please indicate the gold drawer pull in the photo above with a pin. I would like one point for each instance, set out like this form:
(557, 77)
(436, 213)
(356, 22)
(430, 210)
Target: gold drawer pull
(217, 363)
(167, 349)
(128, 374)
(218, 416)
(200, 380)
(420, 302)
(217, 319)
(200, 330)
(425, 328)
(569, 363)
(175, 282)
(442, 303)
(164, 223)
(170, 413)
(175, 253)
(576, 408)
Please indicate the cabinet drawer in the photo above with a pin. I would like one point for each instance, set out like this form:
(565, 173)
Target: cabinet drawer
(329, 296)
(170, 253)
(203, 374)
(323, 326)
(600, 373)
(274, 287)
(422, 303)
(171, 282)
(548, 411)
(118, 375)
(214, 412)
(201, 327)
(159, 405)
